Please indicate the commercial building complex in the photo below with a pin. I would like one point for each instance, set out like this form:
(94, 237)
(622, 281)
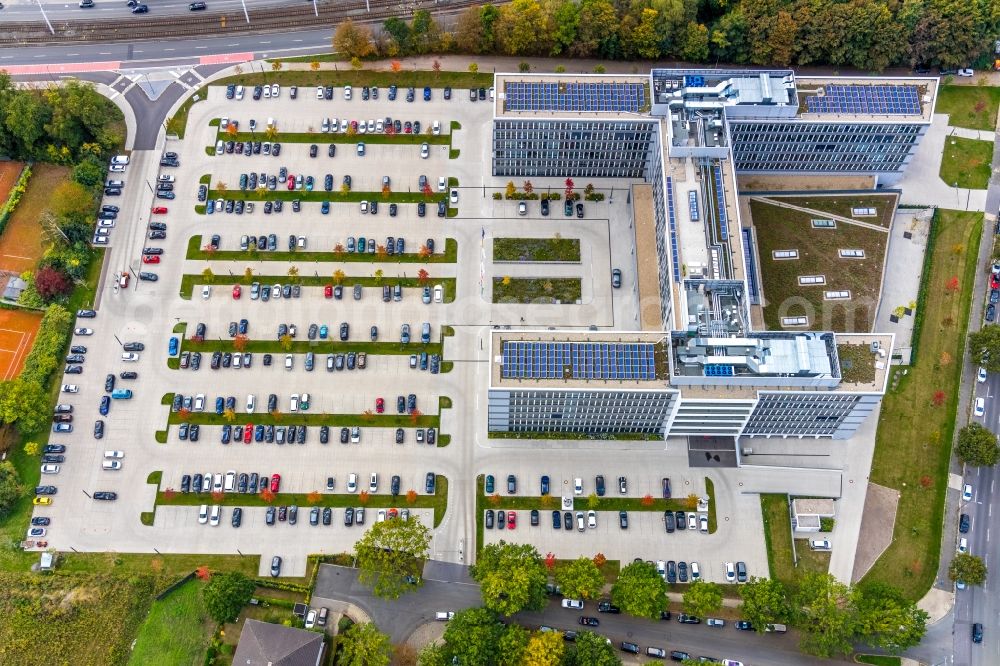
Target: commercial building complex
(681, 137)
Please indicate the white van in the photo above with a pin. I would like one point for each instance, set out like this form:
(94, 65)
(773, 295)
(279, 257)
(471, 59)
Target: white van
(120, 159)
(444, 616)
(230, 481)
(115, 183)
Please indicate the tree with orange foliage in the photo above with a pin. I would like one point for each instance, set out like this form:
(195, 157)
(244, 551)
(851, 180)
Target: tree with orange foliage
(313, 497)
(208, 249)
(240, 342)
(495, 499)
(184, 414)
(411, 496)
(415, 416)
(424, 252)
(363, 497)
(647, 500)
(599, 560)
(427, 191)
(338, 248)
(380, 251)
(268, 496)
(368, 415)
(386, 191)
(217, 496)
(396, 66)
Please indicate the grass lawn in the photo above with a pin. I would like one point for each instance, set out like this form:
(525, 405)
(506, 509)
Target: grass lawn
(176, 631)
(884, 204)
(913, 443)
(189, 281)
(536, 290)
(778, 539)
(449, 256)
(364, 77)
(877, 660)
(974, 107)
(779, 228)
(177, 123)
(536, 249)
(857, 364)
(966, 162)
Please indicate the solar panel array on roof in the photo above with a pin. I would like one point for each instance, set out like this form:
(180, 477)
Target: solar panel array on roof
(693, 205)
(537, 96)
(674, 252)
(877, 99)
(720, 196)
(527, 359)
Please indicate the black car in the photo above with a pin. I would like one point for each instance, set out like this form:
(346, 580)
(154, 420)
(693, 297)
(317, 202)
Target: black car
(429, 483)
(53, 458)
(668, 520)
(349, 516)
(105, 495)
(964, 523)
(589, 621)
(568, 520)
(671, 571)
(681, 520)
(134, 346)
(684, 618)
(579, 210)
(991, 312)
(534, 517)
(109, 386)
(54, 448)
(269, 516)
(421, 209)
(607, 607)
(195, 483)
(237, 516)
(600, 485)
(324, 434)
(977, 632)
(41, 521)
(489, 519)
(394, 485)
(344, 434)
(327, 516)
(743, 625)
(623, 519)
(556, 520)
(46, 490)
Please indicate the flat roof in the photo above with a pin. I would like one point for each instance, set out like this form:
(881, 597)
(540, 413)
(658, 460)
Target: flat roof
(592, 96)
(888, 99)
(578, 359)
(647, 262)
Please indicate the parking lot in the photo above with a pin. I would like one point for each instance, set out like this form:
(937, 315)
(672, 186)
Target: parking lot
(149, 311)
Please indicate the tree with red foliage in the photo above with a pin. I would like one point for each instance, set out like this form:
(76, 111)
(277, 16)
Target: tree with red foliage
(647, 500)
(169, 494)
(51, 283)
(550, 561)
(423, 276)
(217, 496)
(569, 187)
(203, 573)
(938, 398)
(184, 414)
(427, 191)
(953, 284)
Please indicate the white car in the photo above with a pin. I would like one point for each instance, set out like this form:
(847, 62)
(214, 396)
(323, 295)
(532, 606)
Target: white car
(703, 523)
(695, 571)
(288, 361)
(967, 492)
(966, 72)
(379, 126)
(436, 127)
(661, 568)
(980, 406)
(120, 159)
(692, 521)
(111, 464)
(574, 604)
(50, 469)
(105, 224)
(275, 90)
(442, 184)
(347, 92)
(577, 486)
(355, 435)
(438, 293)
(319, 92)
(116, 168)
(373, 483)
(239, 92)
(425, 151)
(214, 517)
(352, 483)
(364, 207)
(114, 454)
(730, 572)
(371, 126)
(592, 519)
(715, 622)
(206, 291)
(70, 388)
(325, 126)
(251, 403)
(203, 514)
(454, 196)
(199, 402)
(963, 545)
(380, 516)
(83, 331)
(130, 357)
(294, 403)
(311, 619)
(333, 124)
(981, 375)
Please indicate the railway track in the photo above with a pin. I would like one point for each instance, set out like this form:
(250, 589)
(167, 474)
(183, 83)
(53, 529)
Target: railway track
(262, 20)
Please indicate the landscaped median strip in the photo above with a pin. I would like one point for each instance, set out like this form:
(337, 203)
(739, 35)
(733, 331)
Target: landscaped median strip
(196, 250)
(320, 138)
(353, 196)
(317, 346)
(438, 501)
(189, 281)
(300, 418)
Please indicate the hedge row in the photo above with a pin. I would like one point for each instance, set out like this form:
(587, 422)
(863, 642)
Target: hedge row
(14, 197)
(50, 344)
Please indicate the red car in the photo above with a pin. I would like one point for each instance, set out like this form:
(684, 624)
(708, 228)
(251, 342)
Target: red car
(354, 125)
(379, 405)
(247, 433)
(511, 520)
(159, 210)
(393, 513)
(275, 483)
(328, 291)
(237, 292)
(291, 182)
(994, 281)
(150, 258)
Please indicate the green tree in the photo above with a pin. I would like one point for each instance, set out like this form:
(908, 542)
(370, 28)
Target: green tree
(364, 645)
(641, 34)
(432, 654)
(10, 487)
(511, 577)
(826, 615)
(226, 594)
(32, 448)
(984, 347)
(696, 43)
(520, 28)
(640, 590)
(24, 403)
(887, 620)
(967, 568)
(977, 446)
(473, 637)
(469, 30)
(511, 646)
(399, 31)
(593, 650)
(597, 32)
(545, 648)
(580, 579)
(26, 117)
(390, 551)
(764, 602)
(702, 598)
(424, 32)
(353, 40)
(89, 172)
(72, 202)
(565, 17)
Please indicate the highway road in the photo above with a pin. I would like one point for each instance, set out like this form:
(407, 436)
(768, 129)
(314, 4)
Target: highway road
(26, 10)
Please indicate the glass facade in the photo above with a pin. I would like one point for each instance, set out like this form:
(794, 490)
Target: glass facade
(577, 148)
(801, 414)
(825, 147)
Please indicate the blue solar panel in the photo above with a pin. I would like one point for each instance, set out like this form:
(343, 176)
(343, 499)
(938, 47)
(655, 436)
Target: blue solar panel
(580, 97)
(751, 267)
(876, 99)
(578, 360)
(674, 252)
(693, 205)
(719, 371)
(721, 198)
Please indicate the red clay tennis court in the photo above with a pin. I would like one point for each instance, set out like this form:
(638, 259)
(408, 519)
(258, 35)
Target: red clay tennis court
(17, 333)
